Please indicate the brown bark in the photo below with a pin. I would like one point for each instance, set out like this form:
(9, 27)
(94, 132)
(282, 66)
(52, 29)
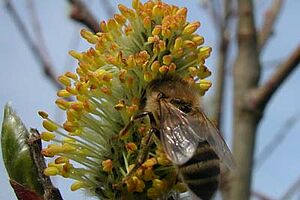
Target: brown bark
(246, 75)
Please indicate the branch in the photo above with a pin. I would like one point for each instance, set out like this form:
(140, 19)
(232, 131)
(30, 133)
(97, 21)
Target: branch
(246, 75)
(224, 40)
(35, 145)
(260, 97)
(290, 192)
(34, 47)
(269, 21)
(276, 141)
(81, 13)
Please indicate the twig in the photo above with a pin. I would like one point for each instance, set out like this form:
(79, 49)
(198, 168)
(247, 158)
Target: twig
(260, 195)
(37, 52)
(81, 13)
(269, 21)
(35, 145)
(259, 97)
(291, 191)
(277, 140)
(224, 40)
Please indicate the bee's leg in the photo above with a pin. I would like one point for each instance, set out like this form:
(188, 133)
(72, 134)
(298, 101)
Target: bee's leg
(143, 153)
(134, 119)
(145, 143)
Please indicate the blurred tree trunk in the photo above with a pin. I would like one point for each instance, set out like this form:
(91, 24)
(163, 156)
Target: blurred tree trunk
(246, 75)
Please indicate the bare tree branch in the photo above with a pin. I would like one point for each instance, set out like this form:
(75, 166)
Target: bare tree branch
(276, 140)
(260, 97)
(82, 14)
(246, 75)
(260, 196)
(35, 145)
(269, 21)
(224, 39)
(291, 191)
(37, 52)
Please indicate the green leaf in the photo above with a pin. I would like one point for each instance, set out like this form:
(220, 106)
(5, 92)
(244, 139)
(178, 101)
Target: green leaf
(16, 152)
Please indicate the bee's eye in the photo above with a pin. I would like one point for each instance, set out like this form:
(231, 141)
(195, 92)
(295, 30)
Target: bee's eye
(182, 105)
(185, 108)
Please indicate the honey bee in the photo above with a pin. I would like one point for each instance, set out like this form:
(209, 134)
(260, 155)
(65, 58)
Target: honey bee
(188, 137)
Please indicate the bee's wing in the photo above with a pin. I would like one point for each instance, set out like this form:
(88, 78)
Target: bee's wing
(178, 138)
(205, 128)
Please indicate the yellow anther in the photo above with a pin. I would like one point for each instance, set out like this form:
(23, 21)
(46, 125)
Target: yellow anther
(172, 67)
(61, 160)
(88, 106)
(159, 184)
(120, 105)
(166, 32)
(67, 148)
(126, 12)
(49, 125)
(51, 171)
(134, 184)
(103, 27)
(178, 43)
(153, 39)
(204, 52)
(89, 36)
(75, 54)
(149, 174)
(188, 44)
(71, 75)
(163, 69)
(43, 114)
(47, 136)
(198, 40)
(205, 84)
(147, 22)
(131, 147)
(67, 167)
(148, 76)
(62, 104)
(167, 59)
(203, 72)
(162, 45)
(52, 150)
(64, 80)
(77, 105)
(120, 19)
(156, 30)
(77, 185)
(191, 28)
(136, 4)
(155, 66)
(112, 25)
(193, 71)
(150, 162)
(63, 93)
(106, 90)
(157, 10)
(71, 90)
(107, 165)
(70, 126)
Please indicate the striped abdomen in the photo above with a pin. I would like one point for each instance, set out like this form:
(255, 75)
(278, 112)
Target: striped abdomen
(201, 172)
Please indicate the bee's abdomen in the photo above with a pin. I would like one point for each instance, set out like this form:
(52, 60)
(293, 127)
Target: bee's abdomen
(201, 172)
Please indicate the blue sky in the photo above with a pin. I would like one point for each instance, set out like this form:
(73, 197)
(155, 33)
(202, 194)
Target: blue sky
(22, 82)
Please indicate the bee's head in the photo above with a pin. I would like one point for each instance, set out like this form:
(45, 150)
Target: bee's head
(172, 90)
